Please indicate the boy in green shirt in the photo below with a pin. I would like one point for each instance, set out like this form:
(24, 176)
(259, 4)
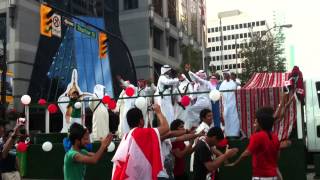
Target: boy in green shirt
(77, 157)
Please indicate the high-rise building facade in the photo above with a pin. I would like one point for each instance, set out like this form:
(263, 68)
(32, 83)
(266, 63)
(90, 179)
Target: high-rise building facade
(156, 30)
(224, 47)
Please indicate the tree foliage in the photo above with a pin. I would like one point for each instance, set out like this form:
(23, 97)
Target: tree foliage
(192, 57)
(263, 53)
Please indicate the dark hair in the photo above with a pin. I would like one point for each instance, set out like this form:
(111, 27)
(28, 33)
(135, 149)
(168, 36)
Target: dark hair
(76, 132)
(215, 131)
(175, 124)
(265, 119)
(134, 116)
(203, 113)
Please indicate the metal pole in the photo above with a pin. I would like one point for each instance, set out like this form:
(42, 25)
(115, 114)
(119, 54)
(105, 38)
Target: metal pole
(102, 30)
(236, 56)
(221, 47)
(4, 73)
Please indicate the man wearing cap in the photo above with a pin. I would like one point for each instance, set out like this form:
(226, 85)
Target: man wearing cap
(184, 87)
(229, 106)
(165, 86)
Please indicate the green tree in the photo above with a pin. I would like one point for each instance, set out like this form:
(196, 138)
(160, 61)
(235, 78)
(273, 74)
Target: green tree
(263, 53)
(192, 57)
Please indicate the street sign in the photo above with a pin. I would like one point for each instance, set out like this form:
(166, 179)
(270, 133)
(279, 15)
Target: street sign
(86, 31)
(56, 25)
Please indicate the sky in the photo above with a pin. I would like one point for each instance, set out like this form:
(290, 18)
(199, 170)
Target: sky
(304, 15)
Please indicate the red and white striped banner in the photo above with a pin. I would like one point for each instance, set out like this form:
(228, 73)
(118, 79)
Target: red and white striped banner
(264, 89)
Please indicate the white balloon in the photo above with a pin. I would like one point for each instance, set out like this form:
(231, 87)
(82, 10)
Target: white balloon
(215, 95)
(25, 99)
(140, 103)
(111, 147)
(47, 146)
(77, 105)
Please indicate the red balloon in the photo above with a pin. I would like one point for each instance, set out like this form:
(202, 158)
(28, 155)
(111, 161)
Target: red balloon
(106, 99)
(185, 101)
(112, 104)
(22, 147)
(52, 108)
(42, 102)
(129, 91)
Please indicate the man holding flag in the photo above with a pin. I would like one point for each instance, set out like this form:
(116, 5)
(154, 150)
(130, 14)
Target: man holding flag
(139, 153)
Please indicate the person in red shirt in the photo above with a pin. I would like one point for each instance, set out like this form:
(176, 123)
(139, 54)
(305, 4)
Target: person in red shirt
(264, 147)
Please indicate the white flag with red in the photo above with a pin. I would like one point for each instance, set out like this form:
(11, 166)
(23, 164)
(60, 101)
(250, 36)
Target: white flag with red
(138, 156)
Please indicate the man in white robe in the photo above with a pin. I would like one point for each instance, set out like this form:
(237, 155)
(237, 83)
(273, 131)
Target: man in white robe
(165, 86)
(100, 118)
(229, 106)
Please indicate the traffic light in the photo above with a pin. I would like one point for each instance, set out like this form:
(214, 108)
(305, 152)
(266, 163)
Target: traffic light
(103, 38)
(46, 20)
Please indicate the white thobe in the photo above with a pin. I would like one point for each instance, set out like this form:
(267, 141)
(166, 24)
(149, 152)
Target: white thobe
(230, 113)
(166, 102)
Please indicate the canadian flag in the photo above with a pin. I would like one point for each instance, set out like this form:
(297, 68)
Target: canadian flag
(138, 156)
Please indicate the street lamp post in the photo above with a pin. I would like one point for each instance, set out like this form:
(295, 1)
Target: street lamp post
(221, 15)
(4, 68)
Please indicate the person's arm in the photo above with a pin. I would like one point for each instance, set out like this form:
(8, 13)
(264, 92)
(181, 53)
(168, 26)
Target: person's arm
(215, 164)
(243, 156)
(187, 137)
(10, 142)
(167, 81)
(94, 158)
(164, 127)
(198, 79)
(174, 133)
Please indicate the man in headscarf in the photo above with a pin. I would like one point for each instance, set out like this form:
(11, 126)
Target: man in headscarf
(166, 84)
(123, 106)
(203, 100)
(229, 106)
(100, 117)
(181, 112)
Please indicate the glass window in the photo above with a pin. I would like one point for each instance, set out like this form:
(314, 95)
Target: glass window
(233, 46)
(257, 23)
(225, 57)
(209, 39)
(238, 55)
(241, 35)
(253, 24)
(158, 8)
(236, 26)
(249, 24)
(237, 36)
(232, 36)
(233, 56)
(245, 35)
(229, 37)
(212, 29)
(224, 28)
(209, 30)
(225, 47)
(213, 58)
(263, 33)
(218, 67)
(218, 58)
(229, 47)
(234, 66)
(224, 38)
(157, 38)
(228, 27)
(230, 66)
(240, 25)
(230, 57)
(172, 47)
(249, 35)
(262, 23)
(318, 90)
(232, 27)
(238, 65)
(217, 48)
(218, 38)
(212, 39)
(208, 49)
(226, 66)
(241, 45)
(130, 4)
(216, 29)
(213, 49)
(245, 25)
